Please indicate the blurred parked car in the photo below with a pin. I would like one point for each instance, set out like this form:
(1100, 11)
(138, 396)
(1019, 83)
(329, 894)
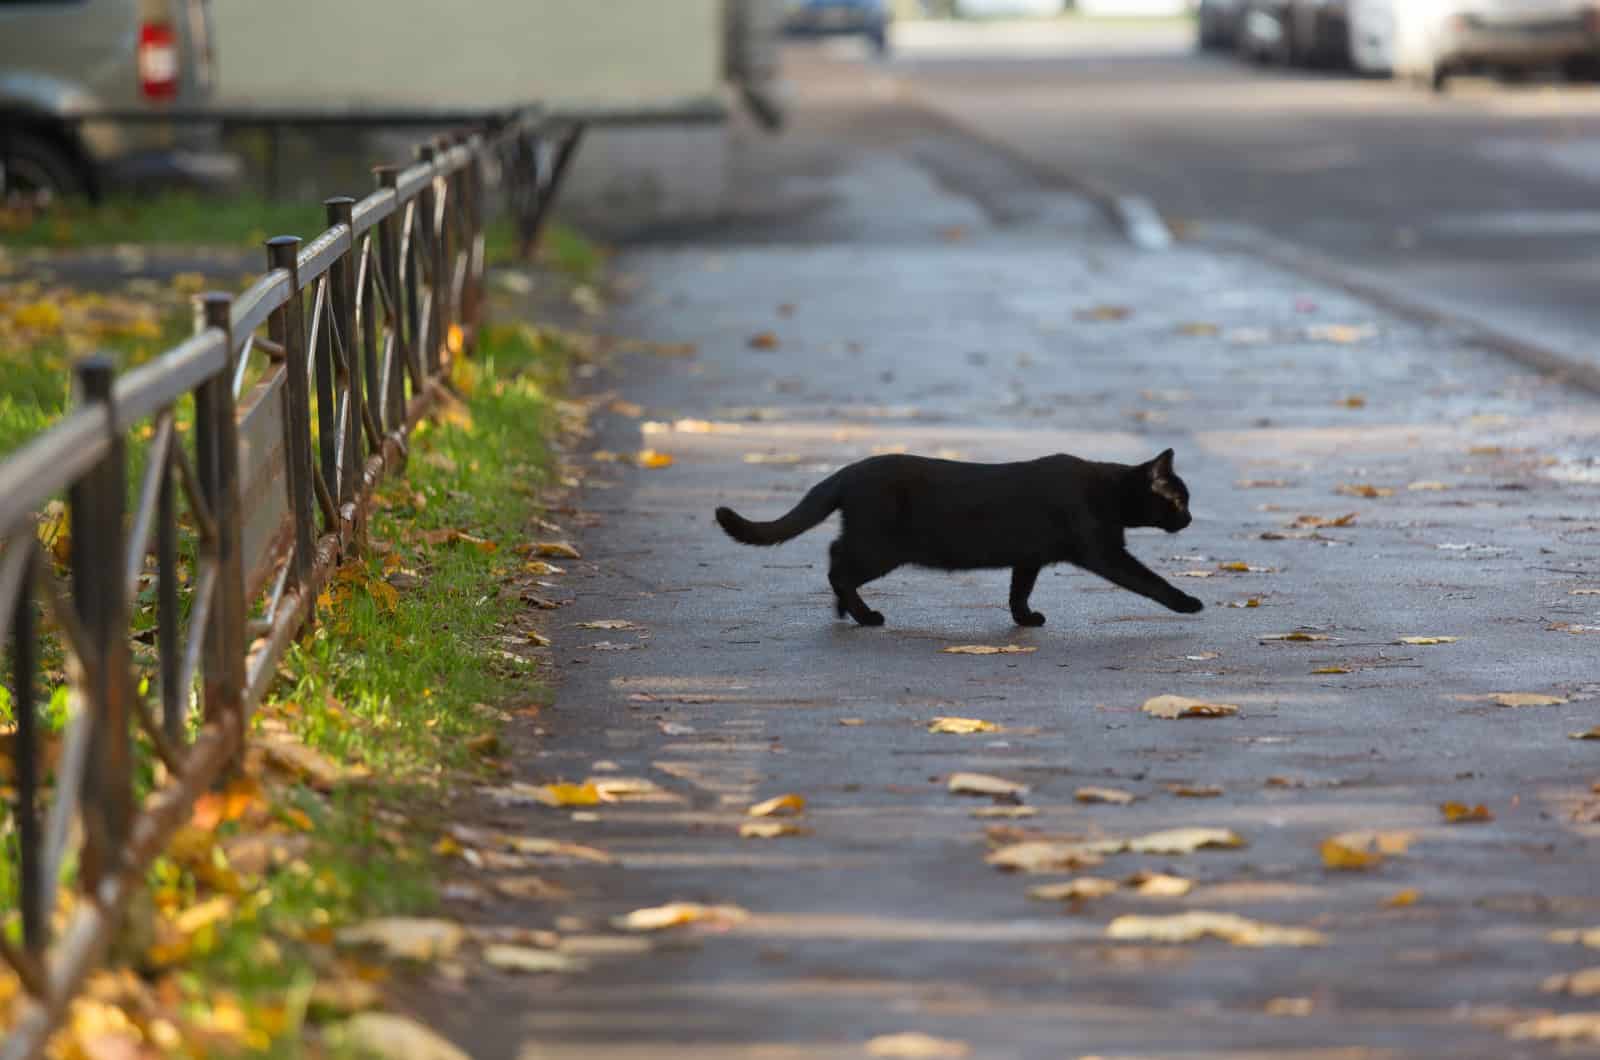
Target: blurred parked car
(1505, 37)
(1319, 32)
(829, 18)
(1009, 8)
(59, 58)
(1217, 24)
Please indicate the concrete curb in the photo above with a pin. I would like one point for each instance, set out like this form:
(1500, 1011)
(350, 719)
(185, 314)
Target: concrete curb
(1554, 364)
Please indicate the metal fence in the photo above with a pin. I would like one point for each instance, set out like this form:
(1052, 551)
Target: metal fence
(257, 445)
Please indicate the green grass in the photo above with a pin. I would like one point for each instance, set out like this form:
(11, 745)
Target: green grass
(172, 218)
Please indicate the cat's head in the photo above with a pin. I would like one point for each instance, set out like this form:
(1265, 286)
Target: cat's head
(1161, 499)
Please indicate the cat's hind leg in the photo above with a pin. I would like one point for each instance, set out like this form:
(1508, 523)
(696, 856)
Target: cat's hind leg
(847, 572)
(1023, 575)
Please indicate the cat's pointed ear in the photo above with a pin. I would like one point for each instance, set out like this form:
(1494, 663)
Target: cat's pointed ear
(1161, 466)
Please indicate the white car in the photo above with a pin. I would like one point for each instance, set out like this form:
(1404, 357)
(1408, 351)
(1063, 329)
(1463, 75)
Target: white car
(1430, 40)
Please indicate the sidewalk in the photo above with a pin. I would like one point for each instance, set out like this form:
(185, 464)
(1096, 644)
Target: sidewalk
(907, 309)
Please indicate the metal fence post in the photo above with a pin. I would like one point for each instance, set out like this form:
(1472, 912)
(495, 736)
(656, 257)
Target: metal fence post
(342, 304)
(218, 434)
(30, 844)
(427, 235)
(289, 329)
(389, 265)
(97, 502)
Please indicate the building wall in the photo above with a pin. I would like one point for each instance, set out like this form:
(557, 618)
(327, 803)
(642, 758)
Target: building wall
(349, 53)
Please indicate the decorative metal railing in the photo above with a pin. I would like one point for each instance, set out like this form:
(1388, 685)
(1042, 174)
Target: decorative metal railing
(256, 445)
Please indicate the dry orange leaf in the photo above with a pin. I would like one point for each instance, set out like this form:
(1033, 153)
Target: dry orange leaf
(557, 550)
(1114, 796)
(962, 726)
(652, 458)
(1401, 899)
(1149, 884)
(1077, 890)
(987, 649)
(1363, 489)
(676, 914)
(1461, 813)
(1188, 927)
(764, 340)
(1339, 853)
(779, 806)
(1183, 707)
(1297, 637)
(1426, 640)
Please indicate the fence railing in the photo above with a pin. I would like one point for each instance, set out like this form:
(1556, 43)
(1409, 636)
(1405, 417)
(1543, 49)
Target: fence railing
(256, 445)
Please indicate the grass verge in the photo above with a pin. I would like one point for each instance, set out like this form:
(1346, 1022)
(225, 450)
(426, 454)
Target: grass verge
(391, 700)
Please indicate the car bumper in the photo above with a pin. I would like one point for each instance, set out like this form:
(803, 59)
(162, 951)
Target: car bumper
(830, 21)
(1532, 41)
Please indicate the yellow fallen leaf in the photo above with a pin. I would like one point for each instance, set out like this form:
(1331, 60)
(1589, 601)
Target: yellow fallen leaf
(676, 914)
(1427, 486)
(540, 567)
(1238, 567)
(1112, 795)
(771, 829)
(1010, 812)
(1583, 983)
(778, 806)
(1195, 791)
(1149, 884)
(1526, 699)
(962, 726)
(1363, 489)
(914, 1045)
(568, 794)
(1077, 890)
(1043, 856)
(1566, 1027)
(1198, 329)
(1587, 734)
(1184, 841)
(1189, 927)
(1183, 707)
(1340, 853)
(1341, 334)
(421, 939)
(1461, 813)
(1297, 637)
(537, 639)
(987, 649)
(1104, 312)
(1401, 899)
(1426, 640)
(653, 458)
(556, 550)
(607, 623)
(627, 408)
(386, 595)
(1290, 1006)
(1331, 670)
(984, 784)
(1589, 937)
(203, 914)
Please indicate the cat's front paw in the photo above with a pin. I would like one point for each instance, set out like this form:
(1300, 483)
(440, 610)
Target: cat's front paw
(1029, 618)
(870, 618)
(1188, 605)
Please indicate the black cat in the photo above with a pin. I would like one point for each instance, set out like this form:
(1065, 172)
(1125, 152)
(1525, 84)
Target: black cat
(952, 515)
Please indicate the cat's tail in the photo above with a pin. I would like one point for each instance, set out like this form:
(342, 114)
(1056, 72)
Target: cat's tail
(816, 506)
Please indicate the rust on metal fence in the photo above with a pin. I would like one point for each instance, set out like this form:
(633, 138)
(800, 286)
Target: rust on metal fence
(238, 518)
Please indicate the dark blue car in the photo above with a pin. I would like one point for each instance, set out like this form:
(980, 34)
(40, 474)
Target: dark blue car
(828, 18)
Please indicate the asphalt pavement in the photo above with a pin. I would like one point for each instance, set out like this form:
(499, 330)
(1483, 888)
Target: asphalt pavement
(1484, 201)
(1357, 479)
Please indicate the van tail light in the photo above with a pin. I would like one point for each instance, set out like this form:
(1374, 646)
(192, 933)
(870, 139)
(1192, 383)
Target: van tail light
(158, 61)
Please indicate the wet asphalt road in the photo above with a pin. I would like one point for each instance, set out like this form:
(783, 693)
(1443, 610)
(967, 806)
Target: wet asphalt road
(907, 312)
(1485, 201)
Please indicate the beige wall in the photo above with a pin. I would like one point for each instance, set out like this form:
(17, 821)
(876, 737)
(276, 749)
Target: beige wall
(346, 53)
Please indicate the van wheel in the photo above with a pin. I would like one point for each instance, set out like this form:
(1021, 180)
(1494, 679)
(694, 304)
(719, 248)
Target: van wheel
(33, 166)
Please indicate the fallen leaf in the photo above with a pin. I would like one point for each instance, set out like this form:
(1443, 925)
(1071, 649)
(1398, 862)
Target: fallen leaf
(1290, 1006)
(540, 567)
(914, 1045)
(1183, 707)
(1427, 486)
(568, 794)
(1342, 334)
(627, 408)
(1589, 937)
(1526, 699)
(987, 649)
(1262, 484)
(1461, 813)
(394, 1038)
(1111, 795)
(1401, 899)
(852, 723)
(421, 939)
(607, 623)
(962, 726)
(332, 998)
(1148, 884)
(1184, 841)
(1584, 983)
(676, 914)
(289, 755)
(764, 340)
(1198, 329)
(530, 889)
(1331, 670)
(984, 784)
(1339, 853)
(1080, 889)
(773, 458)
(953, 233)
(778, 806)
(1587, 734)
(1297, 637)
(1363, 489)
(1347, 519)
(653, 459)
(1584, 592)
(1427, 640)
(1195, 574)
(1195, 791)
(1043, 856)
(1189, 927)
(537, 639)
(1354, 401)
(1104, 312)
(771, 829)
(1566, 1027)
(531, 961)
(556, 550)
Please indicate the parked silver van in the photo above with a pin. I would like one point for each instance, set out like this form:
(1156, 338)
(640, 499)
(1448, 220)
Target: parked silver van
(63, 58)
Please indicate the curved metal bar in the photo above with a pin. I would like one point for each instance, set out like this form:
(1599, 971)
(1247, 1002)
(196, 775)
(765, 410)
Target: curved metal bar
(144, 518)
